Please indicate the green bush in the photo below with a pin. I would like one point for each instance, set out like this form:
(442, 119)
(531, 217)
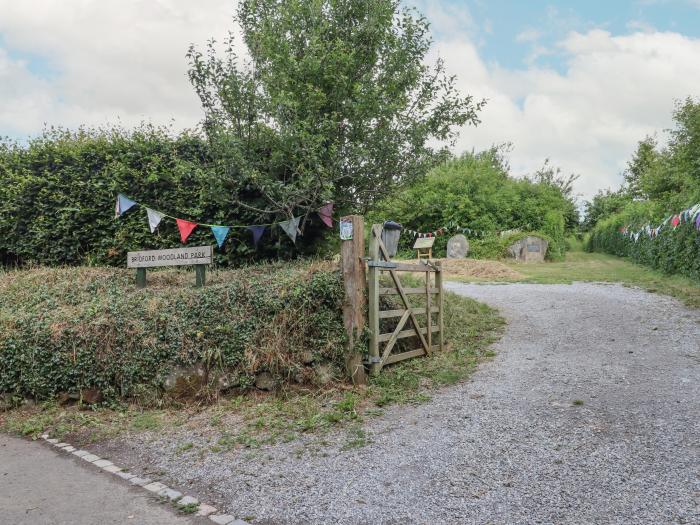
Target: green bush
(673, 250)
(476, 191)
(57, 198)
(69, 329)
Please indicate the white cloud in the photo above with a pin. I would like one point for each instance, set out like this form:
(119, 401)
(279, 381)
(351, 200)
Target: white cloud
(113, 59)
(615, 90)
(124, 60)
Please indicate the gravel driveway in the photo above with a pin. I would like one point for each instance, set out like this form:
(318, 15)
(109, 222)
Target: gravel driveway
(588, 414)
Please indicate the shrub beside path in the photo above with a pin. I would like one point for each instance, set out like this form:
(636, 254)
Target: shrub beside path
(588, 413)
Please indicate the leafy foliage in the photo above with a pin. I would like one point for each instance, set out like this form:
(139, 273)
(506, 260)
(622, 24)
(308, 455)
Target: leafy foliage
(57, 198)
(673, 251)
(334, 102)
(659, 182)
(66, 330)
(476, 191)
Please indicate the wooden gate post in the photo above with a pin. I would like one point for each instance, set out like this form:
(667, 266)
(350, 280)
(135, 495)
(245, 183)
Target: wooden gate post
(373, 287)
(352, 267)
(440, 301)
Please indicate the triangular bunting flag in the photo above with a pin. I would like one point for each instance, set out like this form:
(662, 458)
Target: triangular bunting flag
(186, 228)
(291, 228)
(326, 214)
(123, 204)
(154, 218)
(257, 232)
(220, 233)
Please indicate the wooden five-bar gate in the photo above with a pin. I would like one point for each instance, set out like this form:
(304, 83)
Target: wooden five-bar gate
(413, 321)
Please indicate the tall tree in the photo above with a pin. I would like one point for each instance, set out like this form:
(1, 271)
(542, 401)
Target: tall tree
(639, 166)
(333, 101)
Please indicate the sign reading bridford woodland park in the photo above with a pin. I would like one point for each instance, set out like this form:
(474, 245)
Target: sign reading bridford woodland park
(197, 256)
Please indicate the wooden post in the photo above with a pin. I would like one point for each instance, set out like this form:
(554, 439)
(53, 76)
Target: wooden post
(200, 271)
(352, 266)
(428, 306)
(373, 286)
(140, 277)
(438, 285)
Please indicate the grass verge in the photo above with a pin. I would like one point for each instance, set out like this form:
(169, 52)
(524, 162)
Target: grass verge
(255, 419)
(598, 267)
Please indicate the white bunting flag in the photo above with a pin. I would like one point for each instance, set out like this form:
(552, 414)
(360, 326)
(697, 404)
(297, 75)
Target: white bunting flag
(154, 218)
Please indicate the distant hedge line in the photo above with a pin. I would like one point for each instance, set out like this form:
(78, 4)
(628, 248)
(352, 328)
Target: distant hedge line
(63, 331)
(57, 198)
(673, 251)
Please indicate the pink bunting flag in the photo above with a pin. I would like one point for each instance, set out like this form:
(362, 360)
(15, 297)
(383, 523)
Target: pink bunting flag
(676, 219)
(186, 228)
(326, 214)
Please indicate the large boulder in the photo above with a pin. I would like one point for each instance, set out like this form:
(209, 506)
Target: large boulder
(457, 247)
(529, 249)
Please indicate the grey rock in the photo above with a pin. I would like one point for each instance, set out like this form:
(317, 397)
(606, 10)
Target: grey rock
(205, 510)
(265, 381)
(155, 486)
(222, 519)
(529, 249)
(323, 374)
(139, 481)
(169, 493)
(457, 247)
(187, 500)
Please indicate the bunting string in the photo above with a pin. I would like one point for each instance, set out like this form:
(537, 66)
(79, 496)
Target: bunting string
(220, 231)
(689, 215)
(455, 228)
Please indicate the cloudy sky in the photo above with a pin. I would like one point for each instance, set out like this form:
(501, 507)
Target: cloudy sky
(579, 82)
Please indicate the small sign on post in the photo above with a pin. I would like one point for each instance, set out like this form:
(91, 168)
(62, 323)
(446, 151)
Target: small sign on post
(197, 256)
(346, 229)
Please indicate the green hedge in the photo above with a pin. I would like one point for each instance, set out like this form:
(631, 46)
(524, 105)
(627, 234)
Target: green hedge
(65, 330)
(673, 251)
(57, 198)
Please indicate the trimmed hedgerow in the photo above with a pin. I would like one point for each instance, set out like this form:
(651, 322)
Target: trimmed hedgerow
(673, 250)
(65, 330)
(57, 196)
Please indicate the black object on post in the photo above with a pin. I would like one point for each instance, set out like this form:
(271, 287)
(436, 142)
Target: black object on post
(391, 232)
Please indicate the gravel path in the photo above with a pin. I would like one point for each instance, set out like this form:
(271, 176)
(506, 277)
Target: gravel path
(589, 413)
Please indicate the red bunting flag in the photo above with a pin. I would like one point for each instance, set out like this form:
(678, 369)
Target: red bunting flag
(676, 219)
(186, 228)
(326, 214)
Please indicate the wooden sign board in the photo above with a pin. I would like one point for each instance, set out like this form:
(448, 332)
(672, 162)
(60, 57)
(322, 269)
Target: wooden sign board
(424, 242)
(197, 256)
(174, 257)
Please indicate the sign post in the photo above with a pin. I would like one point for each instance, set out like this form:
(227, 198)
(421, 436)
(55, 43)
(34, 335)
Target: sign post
(197, 256)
